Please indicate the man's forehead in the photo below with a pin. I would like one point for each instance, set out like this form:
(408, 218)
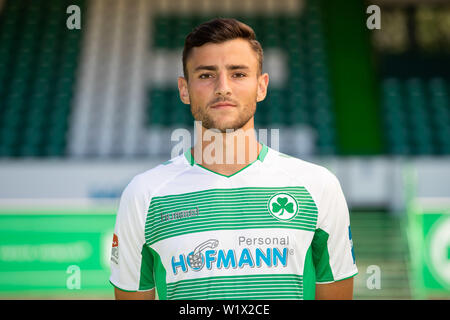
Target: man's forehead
(231, 52)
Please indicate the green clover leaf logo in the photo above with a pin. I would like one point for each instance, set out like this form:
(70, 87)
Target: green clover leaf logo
(282, 204)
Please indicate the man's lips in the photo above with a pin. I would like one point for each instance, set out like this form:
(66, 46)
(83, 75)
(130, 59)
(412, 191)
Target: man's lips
(223, 105)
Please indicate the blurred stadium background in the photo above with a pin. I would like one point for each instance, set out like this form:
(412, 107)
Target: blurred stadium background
(84, 110)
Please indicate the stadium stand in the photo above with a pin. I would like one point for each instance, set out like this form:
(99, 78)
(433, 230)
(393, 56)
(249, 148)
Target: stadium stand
(64, 97)
(416, 116)
(37, 93)
(38, 61)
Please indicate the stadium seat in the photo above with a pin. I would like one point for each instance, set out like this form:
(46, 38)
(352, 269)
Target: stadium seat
(39, 60)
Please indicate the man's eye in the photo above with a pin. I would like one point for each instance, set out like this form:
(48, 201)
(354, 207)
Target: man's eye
(205, 76)
(239, 75)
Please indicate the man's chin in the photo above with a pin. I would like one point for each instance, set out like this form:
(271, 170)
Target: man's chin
(228, 126)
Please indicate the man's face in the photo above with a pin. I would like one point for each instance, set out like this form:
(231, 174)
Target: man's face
(224, 85)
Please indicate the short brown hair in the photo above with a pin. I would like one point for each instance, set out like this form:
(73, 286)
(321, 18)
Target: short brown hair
(219, 30)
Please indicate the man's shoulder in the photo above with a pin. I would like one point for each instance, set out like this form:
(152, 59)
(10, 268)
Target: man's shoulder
(152, 178)
(297, 165)
(307, 173)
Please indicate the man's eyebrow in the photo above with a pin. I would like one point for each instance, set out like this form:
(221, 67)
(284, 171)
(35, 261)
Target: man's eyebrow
(214, 68)
(203, 67)
(237, 66)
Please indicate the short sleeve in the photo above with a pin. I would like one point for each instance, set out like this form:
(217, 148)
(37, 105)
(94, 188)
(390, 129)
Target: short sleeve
(332, 246)
(130, 269)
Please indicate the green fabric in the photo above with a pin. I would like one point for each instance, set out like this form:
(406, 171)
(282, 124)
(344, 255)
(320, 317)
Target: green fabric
(152, 272)
(309, 277)
(321, 257)
(160, 276)
(189, 157)
(263, 152)
(146, 278)
(225, 209)
(249, 287)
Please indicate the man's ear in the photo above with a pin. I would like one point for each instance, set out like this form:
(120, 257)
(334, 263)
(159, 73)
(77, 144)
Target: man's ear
(183, 90)
(263, 82)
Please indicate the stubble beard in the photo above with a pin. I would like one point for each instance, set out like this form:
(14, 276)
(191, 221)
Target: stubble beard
(201, 114)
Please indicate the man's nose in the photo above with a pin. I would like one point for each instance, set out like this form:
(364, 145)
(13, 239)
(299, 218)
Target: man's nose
(222, 85)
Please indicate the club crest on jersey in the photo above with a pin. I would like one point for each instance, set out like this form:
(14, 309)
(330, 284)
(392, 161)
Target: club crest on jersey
(282, 206)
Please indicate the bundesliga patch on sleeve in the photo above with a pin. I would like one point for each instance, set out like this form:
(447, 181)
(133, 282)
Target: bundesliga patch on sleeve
(115, 250)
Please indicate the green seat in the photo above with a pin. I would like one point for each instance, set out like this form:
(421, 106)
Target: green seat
(32, 135)
(298, 99)
(29, 150)
(162, 36)
(14, 104)
(292, 41)
(272, 41)
(55, 149)
(263, 113)
(253, 22)
(297, 67)
(65, 84)
(298, 116)
(5, 51)
(400, 149)
(62, 101)
(57, 129)
(276, 116)
(183, 25)
(176, 112)
(291, 24)
(6, 150)
(9, 134)
(157, 105)
(37, 108)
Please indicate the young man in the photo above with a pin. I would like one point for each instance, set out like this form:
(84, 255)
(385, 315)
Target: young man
(212, 224)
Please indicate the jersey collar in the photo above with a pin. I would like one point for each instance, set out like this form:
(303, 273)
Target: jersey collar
(261, 156)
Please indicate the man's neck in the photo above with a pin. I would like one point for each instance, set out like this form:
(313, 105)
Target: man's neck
(226, 153)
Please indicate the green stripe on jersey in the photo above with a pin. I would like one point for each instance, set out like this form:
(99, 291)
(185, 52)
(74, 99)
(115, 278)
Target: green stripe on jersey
(224, 209)
(321, 256)
(270, 286)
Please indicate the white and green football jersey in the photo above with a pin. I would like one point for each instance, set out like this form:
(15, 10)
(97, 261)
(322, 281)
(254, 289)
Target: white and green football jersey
(270, 231)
